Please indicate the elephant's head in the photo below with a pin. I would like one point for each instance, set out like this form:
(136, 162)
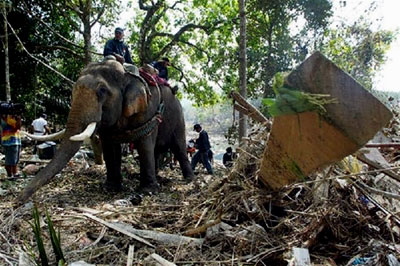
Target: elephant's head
(103, 94)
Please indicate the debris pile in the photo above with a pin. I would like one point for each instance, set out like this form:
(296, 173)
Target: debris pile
(346, 214)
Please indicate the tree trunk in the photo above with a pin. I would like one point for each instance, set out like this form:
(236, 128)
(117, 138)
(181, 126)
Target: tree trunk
(6, 55)
(242, 67)
(87, 35)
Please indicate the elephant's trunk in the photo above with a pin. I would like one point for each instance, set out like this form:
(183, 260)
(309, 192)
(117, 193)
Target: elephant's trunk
(65, 152)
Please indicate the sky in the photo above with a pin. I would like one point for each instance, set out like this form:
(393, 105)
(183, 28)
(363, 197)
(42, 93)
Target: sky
(386, 17)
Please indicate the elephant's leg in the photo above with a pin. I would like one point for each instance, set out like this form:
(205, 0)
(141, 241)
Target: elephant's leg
(112, 157)
(148, 181)
(97, 149)
(179, 150)
(157, 158)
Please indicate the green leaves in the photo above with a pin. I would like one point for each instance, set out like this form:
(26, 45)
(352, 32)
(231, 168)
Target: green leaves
(38, 236)
(54, 237)
(290, 101)
(357, 49)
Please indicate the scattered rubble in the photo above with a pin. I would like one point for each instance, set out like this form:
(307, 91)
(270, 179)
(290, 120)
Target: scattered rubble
(346, 214)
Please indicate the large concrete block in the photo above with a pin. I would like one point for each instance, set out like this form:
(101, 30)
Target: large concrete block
(301, 143)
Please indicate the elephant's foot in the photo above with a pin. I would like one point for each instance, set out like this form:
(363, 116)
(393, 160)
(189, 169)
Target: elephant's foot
(189, 178)
(113, 187)
(150, 189)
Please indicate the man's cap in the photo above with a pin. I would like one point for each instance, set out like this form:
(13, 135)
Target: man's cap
(120, 30)
(166, 60)
(196, 126)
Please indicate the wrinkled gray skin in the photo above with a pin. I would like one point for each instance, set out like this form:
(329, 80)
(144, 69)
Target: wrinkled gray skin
(117, 102)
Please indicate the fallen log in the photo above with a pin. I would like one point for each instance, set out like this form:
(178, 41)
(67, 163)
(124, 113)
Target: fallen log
(248, 109)
(118, 228)
(163, 238)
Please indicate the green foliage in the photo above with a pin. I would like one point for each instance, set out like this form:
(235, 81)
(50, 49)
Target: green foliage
(38, 236)
(49, 30)
(357, 49)
(200, 37)
(54, 236)
(55, 241)
(272, 46)
(290, 101)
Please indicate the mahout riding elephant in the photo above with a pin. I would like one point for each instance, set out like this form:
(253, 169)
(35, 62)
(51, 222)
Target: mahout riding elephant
(120, 107)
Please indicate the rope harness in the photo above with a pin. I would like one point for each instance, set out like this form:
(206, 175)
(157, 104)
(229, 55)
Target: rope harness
(142, 131)
(146, 129)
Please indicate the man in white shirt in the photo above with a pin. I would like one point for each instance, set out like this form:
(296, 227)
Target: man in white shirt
(39, 126)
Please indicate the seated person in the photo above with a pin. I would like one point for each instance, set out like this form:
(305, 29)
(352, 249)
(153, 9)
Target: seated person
(161, 66)
(190, 149)
(118, 48)
(227, 159)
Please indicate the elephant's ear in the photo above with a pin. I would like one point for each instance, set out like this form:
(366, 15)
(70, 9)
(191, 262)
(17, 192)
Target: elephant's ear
(135, 99)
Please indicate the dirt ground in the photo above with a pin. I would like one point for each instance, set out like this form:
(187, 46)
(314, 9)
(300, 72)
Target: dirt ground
(228, 218)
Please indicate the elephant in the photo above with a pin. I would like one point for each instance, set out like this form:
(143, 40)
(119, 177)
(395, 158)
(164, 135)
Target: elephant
(120, 107)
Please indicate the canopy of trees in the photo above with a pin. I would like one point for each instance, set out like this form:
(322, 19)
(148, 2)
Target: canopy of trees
(51, 41)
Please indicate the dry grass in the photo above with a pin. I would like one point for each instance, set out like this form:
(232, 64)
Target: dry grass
(241, 222)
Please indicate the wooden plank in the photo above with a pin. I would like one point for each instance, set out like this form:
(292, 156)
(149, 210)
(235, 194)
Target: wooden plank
(119, 229)
(297, 145)
(252, 111)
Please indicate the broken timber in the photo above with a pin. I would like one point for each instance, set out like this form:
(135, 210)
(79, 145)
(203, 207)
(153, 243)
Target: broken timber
(301, 143)
(248, 109)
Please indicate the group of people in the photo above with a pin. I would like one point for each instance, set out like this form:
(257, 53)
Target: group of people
(11, 124)
(117, 48)
(11, 138)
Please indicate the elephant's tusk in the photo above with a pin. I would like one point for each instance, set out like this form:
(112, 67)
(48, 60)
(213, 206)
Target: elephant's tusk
(85, 134)
(54, 136)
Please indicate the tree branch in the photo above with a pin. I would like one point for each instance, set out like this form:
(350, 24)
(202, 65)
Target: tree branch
(198, 48)
(187, 27)
(146, 26)
(37, 59)
(48, 27)
(103, 9)
(57, 47)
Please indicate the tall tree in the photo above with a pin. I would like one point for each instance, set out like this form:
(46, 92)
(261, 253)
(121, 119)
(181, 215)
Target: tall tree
(4, 6)
(357, 49)
(273, 45)
(242, 67)
(190, 33)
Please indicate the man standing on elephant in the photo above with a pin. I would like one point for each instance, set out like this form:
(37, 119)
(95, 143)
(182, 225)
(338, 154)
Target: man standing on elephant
(203, 146)
(118, 48)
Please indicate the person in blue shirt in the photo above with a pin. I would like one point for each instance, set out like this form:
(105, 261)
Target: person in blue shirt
(162, 67)
(118, 48)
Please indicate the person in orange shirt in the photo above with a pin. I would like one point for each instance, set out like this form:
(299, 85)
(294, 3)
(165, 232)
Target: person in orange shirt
(11, 141)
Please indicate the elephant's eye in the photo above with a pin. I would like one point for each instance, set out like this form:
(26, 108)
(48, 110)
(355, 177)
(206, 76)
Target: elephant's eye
(101, 92)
